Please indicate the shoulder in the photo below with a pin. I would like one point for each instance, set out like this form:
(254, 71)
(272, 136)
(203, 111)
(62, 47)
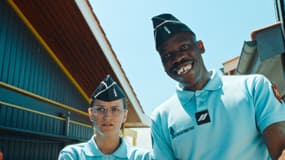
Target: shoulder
(247, 78)
(166, 106)
(137, 153)
(72, 151)
(77, 146)
(249, 82)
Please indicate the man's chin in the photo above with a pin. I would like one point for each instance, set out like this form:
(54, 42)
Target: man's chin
(180, 79)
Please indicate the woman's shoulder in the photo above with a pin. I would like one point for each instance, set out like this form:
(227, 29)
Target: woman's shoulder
(76, 146)
(72, 151)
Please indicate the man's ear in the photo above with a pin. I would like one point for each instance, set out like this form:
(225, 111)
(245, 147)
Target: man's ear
(201, 46)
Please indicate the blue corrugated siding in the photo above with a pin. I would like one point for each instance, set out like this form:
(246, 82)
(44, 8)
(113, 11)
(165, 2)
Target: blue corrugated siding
(26, 121)
(25, 64)
(29, 148)
(12, 118)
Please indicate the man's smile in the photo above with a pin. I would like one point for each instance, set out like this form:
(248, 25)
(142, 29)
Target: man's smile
(182, 68)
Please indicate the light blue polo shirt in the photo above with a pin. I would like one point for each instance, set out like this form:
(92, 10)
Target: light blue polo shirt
(239, 109)
(90, 151)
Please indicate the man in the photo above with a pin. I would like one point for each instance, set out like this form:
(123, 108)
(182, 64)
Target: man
(107, 112)
(212, 116)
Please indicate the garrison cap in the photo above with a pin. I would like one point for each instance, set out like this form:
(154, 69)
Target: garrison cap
(165, 25)
(108, 90)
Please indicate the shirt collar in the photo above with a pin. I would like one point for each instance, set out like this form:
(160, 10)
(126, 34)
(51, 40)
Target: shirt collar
(93, 149)
(214, 83)
(121, 152)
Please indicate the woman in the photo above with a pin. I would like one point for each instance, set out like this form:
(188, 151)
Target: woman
(107, 112)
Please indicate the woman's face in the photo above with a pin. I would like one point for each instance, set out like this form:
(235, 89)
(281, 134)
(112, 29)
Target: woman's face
(107, 117)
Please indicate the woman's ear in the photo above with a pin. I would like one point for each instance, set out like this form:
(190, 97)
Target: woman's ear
(125, 116)
(201, 46)
(90, 114)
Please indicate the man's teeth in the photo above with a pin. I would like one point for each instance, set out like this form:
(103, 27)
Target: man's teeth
(184, 69)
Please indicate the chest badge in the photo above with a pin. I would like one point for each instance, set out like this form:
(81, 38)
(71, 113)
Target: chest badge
(202, 117)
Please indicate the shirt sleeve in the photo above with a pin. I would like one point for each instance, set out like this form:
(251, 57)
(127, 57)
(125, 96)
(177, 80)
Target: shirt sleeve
(268, 108)
(69, 153)
(141, 154)
(161, 147)
(63, 155)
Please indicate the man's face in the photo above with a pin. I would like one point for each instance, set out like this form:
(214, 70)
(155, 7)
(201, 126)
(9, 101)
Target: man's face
(182, 60)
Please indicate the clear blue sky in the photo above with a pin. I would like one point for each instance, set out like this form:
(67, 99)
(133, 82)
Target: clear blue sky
(223, 25)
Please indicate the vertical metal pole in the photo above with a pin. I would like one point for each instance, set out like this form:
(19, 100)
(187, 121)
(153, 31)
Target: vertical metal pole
(67, 123)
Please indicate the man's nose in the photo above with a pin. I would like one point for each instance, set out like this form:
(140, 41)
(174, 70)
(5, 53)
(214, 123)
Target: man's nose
(177, 57)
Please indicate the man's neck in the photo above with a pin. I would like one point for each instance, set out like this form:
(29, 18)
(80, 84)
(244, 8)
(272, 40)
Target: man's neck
(201, 84)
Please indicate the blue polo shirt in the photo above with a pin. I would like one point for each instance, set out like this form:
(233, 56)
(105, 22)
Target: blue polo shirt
(225, 120)
(89, 150)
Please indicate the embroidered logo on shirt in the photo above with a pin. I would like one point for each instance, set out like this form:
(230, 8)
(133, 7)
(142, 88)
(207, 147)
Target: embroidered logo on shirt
(202, 117)
(277, 93)
(173, 134)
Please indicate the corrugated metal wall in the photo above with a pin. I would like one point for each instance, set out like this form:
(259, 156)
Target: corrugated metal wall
(25, 64)
(29, 147)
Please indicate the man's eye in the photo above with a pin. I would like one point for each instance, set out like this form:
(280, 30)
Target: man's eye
(185, 47)
(166, 56)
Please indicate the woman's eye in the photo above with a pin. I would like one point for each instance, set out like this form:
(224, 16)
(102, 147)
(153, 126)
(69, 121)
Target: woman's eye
(116, 110)
(101, 109)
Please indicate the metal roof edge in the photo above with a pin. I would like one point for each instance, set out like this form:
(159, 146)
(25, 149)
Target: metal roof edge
(95, 27)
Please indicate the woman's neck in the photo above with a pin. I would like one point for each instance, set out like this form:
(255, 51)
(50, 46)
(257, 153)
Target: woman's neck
(107, 145)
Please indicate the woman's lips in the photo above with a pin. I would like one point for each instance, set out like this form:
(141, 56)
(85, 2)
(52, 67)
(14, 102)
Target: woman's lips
(107, 124)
